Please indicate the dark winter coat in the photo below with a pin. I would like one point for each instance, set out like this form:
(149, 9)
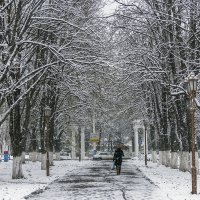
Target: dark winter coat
(118, 157)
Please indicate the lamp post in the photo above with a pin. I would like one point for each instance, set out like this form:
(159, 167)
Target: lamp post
(192, 88)
(47, 115)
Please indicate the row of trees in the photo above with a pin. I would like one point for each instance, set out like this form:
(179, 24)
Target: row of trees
(64, 55)
(52, 54)
(158, 45)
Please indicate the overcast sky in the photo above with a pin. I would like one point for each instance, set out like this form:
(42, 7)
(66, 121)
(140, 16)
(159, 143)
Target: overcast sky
(110, 7)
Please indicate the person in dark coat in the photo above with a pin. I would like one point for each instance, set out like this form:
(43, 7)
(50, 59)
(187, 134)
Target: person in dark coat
(117, 158)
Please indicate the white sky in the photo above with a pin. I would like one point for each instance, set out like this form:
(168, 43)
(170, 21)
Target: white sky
(110, 7)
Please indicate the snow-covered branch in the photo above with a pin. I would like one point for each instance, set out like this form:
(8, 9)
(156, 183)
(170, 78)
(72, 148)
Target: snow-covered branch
(5, 115)
(59, 20)
(197, 103)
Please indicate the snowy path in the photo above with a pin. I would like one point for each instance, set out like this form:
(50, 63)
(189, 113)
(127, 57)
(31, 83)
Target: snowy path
(97, 181)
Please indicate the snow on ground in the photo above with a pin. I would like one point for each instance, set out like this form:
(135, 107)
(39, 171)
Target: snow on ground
(96, 181)
(176, 184)
(34, 177)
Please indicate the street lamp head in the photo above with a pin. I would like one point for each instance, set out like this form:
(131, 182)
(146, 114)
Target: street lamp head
(192, 82)
(186, 80)
(185, 84)
(47, 111)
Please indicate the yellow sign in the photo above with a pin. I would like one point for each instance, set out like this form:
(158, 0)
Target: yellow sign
(94, 139)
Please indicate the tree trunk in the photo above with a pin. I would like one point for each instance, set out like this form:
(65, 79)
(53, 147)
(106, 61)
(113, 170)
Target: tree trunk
(17, 167)
(174, 142)
(154, 156)
(33, 156)
(51, 158)
(164, 146)
(42, 126)
(153, 143)
(23, 157)
(57, 148)
(51, 140)
(42, 135)
(175, 160)
(39, 157)
(184, 161)
(43, 161)
(16, 137)
(25, 130)
(57, 154)
(33, 153)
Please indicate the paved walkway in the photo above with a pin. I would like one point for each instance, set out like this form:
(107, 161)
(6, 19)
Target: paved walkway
(98, 182)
